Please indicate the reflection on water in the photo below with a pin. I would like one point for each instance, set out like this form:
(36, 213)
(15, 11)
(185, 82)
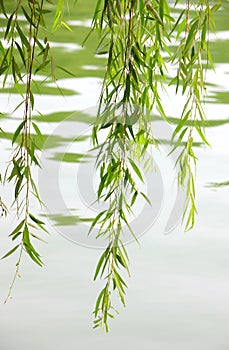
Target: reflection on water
(178, 295)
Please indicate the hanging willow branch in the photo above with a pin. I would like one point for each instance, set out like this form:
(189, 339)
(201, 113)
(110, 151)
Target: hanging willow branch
(191, 52)
(136, 36)
(19, 60)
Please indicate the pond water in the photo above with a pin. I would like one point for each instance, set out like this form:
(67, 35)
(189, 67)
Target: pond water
(178, 296)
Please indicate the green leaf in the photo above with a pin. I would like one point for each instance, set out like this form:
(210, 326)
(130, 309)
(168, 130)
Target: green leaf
(203, 33)
(66, 26)
(127, 89)
(34, 255)
(17, 229)
(177, 22)
(102, 185)
(21, 53)
(31, 99)
(22, 36)
(191, 35)
(136, 169)
(58, 15)
(18, 130)
(216, 7)
(134, 198)
(9, 24)
(66, 71)
(98, 301)
(103, 256)
(3, 8)
(96, 219)
(37, 130)
(154, 13)
(11, 251)
(27, 16)
(37, 237)
(146, 198)
(37, 221)
(198, 129)
(18, 187)
(181, 124)
(16, 235)
(2, 69)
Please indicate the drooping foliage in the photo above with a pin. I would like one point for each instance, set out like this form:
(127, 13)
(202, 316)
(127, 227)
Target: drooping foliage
(151, 45)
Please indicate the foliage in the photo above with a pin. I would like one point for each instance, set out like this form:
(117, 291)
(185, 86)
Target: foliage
(142, 39)
(137, 37)
(23, 56)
